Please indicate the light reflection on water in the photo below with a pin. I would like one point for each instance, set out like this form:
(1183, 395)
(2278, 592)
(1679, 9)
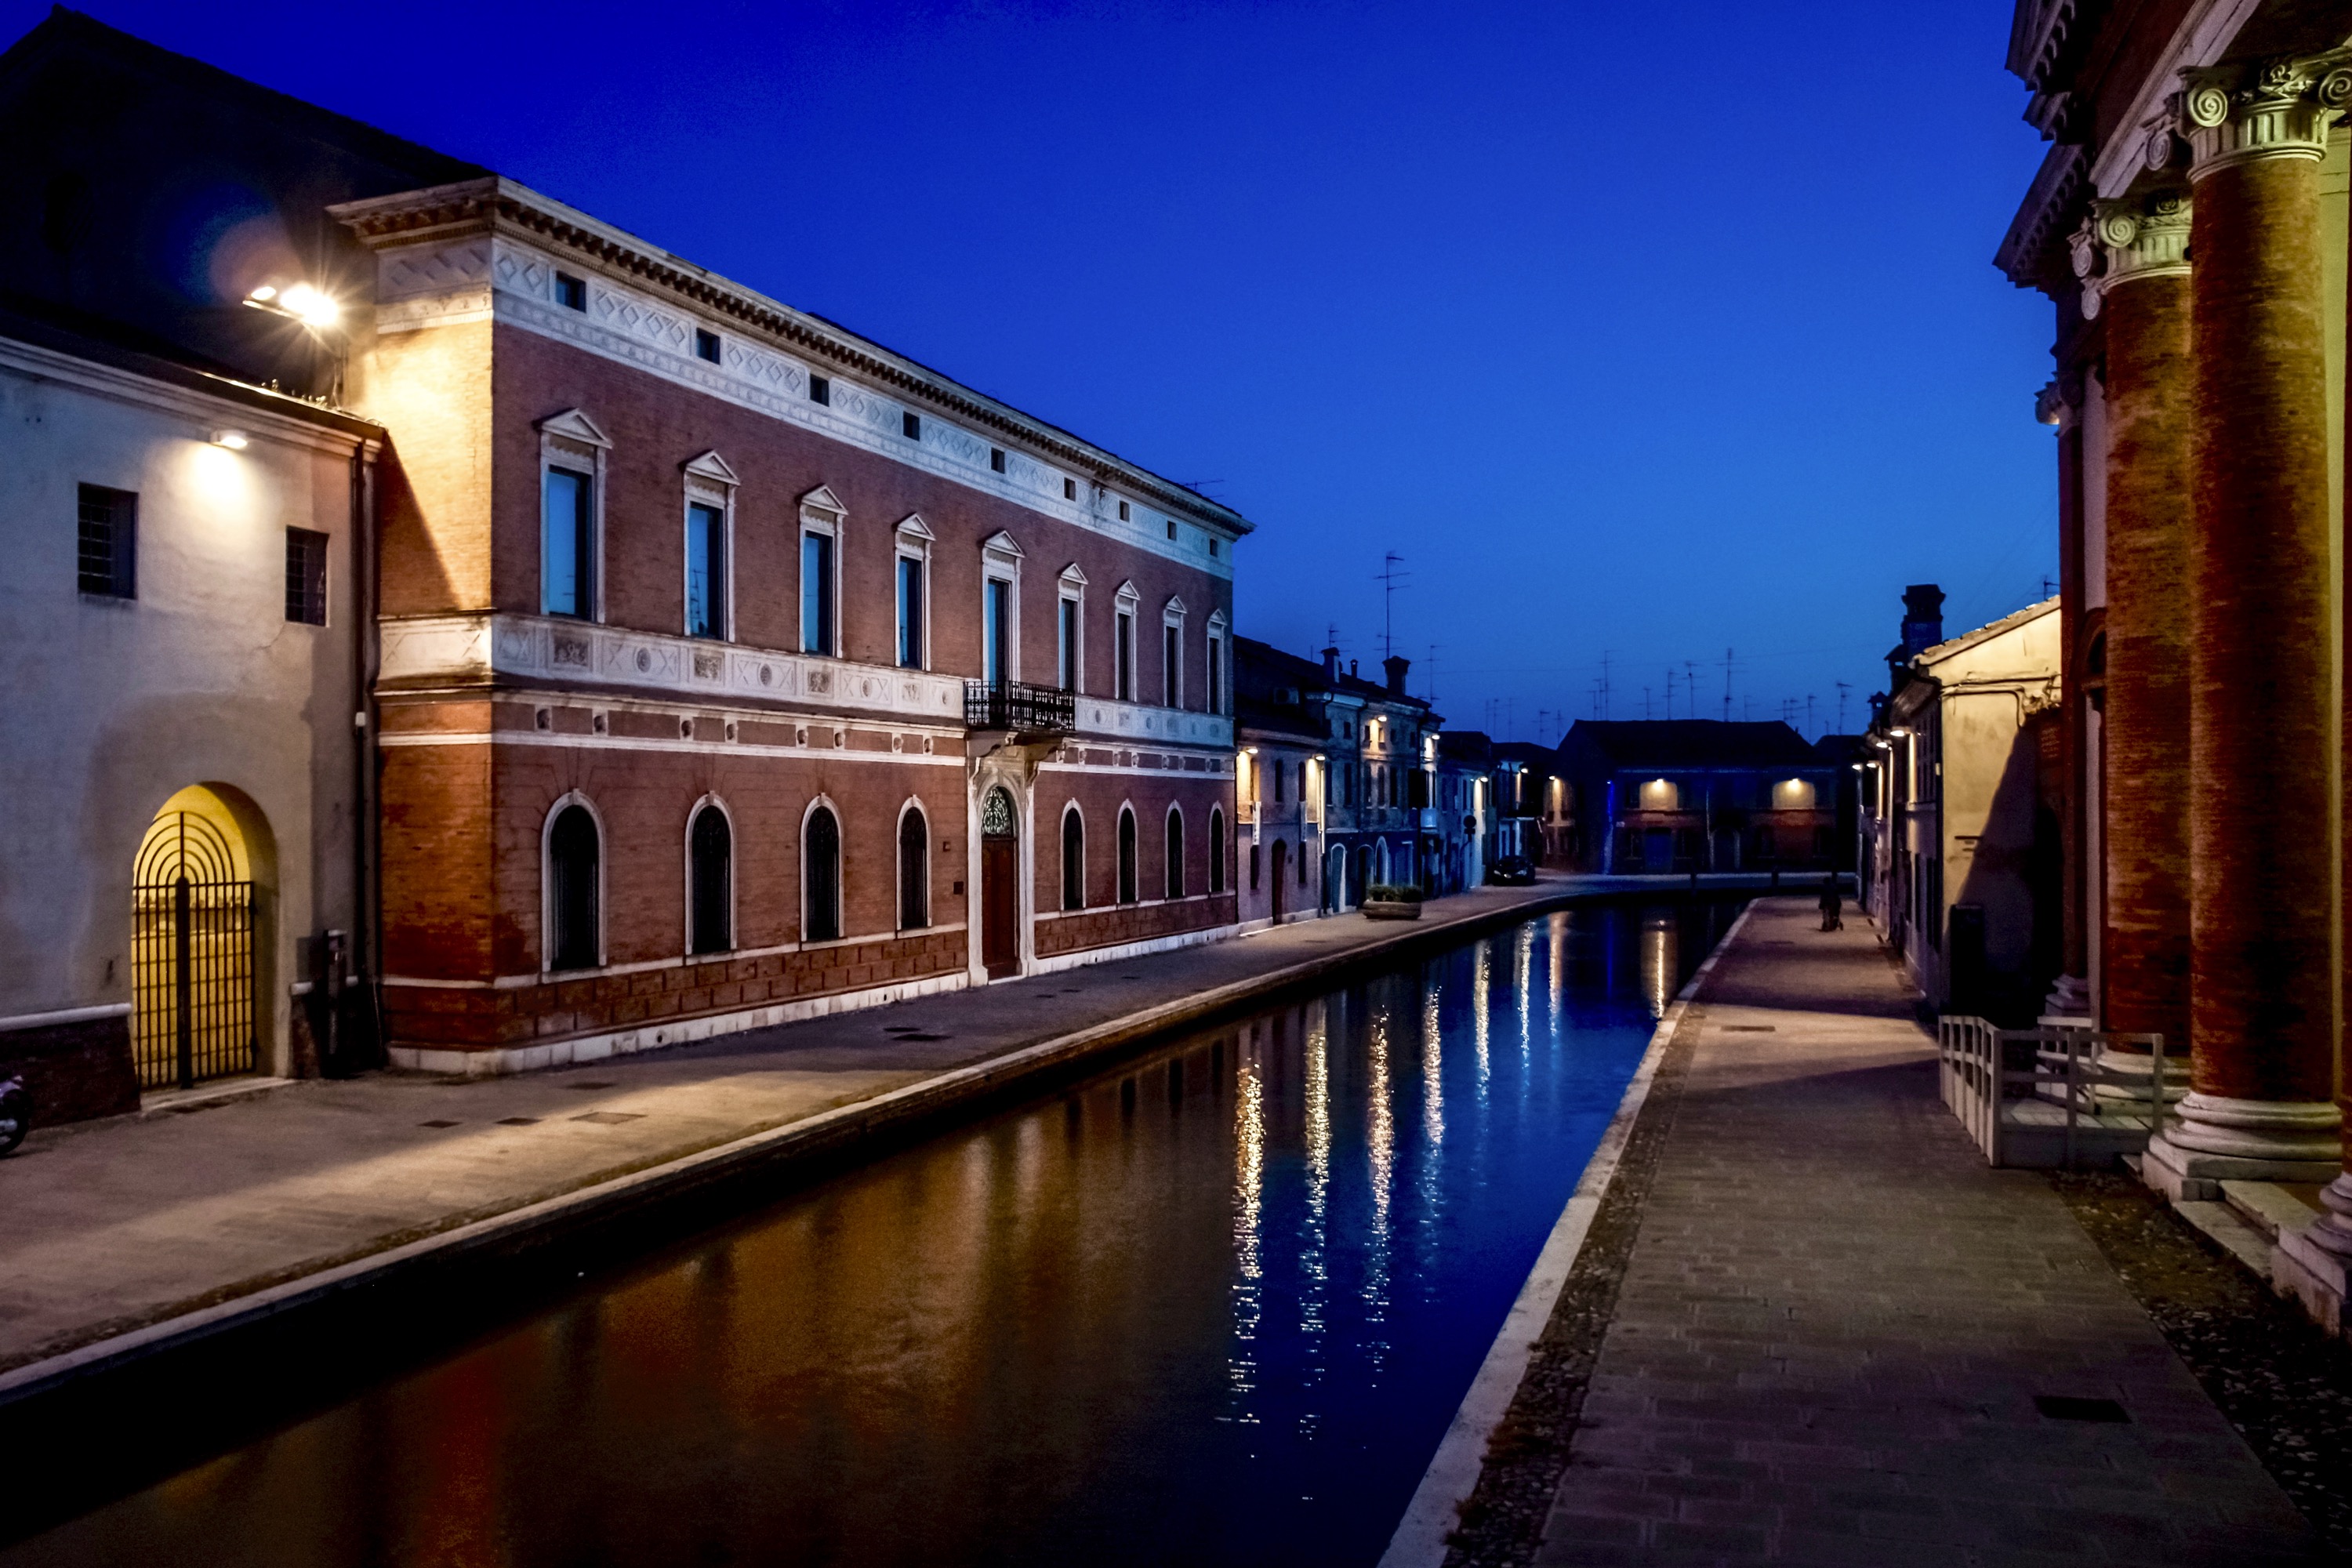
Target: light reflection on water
(1120, 1325)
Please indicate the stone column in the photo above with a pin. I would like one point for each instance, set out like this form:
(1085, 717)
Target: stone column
(2143, 296)
(2261, 1019)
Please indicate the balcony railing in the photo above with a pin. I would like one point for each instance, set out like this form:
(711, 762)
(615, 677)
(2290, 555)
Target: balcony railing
(1025, 710)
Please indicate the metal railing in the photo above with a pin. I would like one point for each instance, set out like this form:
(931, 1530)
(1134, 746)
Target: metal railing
(1025, 709)
(1990, 1078)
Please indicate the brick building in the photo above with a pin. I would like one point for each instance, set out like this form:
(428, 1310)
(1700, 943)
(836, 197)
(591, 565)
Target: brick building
(730, 667)
(1678, 795)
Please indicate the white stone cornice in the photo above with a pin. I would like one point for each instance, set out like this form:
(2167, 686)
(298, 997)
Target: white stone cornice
(2278, 108)
(2124, 241)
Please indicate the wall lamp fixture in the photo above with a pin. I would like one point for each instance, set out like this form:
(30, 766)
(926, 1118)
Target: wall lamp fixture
(234, 440)
(314, 308)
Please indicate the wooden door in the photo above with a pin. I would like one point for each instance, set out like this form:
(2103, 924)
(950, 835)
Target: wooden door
(1000, 906)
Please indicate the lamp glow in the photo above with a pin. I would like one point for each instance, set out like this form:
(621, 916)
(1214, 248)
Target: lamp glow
(234, 440)
(312, 307)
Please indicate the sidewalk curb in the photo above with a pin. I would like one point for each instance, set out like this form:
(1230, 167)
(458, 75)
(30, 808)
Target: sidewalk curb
(1424, 1534)
(808, 1138)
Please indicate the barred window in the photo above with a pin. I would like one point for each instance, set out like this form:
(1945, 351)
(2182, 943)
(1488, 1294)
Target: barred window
(110, 542)
(306, 577)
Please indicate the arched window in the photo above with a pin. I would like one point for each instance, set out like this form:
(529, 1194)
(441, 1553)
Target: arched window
(914, 871)
(710, 883)
(821, 877)
(1126, 856)
(571, 890)
(1216, 849)
(1175, 852)
(1073, 860)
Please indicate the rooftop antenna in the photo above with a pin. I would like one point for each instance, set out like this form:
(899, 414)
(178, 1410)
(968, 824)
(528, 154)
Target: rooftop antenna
(1670, 691)
(1690, 688)
(1432, 672)
(1842, 688)
(1726, 686)
(1604, 683)
(1646, 714)
(1388, 577)
(1809, 712)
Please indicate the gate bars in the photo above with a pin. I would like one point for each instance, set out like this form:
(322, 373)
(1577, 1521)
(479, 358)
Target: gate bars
(192, 975)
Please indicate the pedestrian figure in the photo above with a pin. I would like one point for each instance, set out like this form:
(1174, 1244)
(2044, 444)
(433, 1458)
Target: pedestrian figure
(1831, 918)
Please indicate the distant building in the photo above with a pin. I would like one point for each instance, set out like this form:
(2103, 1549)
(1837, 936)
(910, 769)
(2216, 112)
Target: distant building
(1286, 714)
(1530, 799)
(1464, 807)
(1677, 796)
(1961, 853)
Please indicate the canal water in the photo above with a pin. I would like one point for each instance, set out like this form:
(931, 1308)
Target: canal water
(1217, 1305)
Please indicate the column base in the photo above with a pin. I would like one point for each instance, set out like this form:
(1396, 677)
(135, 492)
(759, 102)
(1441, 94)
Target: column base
(2312, 1275)
(2195, 1176)
(2069, 998)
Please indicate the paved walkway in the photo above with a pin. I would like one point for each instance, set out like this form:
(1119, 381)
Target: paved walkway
(1835, 1322)
(118, 1226)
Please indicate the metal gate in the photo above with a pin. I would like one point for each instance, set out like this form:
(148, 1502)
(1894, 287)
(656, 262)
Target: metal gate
(191, 957)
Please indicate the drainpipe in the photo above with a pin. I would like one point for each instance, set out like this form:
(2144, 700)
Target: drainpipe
(367, 892)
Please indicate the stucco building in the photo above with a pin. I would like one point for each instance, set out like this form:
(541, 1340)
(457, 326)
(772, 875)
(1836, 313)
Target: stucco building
(1962, 860)
(1676, 796)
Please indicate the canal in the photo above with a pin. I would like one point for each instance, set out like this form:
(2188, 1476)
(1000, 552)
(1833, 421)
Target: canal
(1215, 1304)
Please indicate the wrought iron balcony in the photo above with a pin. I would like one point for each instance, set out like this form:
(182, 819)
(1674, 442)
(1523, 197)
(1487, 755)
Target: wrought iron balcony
(1022, 709)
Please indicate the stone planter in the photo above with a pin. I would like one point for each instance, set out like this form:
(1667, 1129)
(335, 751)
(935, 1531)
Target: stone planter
(1391, 909)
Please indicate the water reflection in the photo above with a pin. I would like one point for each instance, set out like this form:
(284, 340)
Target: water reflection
(1163, 1317)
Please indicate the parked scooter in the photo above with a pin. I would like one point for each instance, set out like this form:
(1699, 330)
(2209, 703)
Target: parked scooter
(15, 1114)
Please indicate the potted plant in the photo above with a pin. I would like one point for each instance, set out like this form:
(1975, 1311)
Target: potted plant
(1388, 901)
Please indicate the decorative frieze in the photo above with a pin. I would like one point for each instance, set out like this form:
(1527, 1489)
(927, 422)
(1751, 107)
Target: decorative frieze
(441, 650)
(2277, 108)
(2122, 241)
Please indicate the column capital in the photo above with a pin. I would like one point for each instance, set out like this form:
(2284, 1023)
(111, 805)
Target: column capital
(2277, 108)
(2127, 239)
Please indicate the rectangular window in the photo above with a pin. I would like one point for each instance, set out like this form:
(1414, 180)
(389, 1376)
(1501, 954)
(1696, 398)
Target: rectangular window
(821, 389)
(910, 612)
(571, 292)
(816, 593)
(1216, 675)
(996, 633)
(706, 572)
(1067, 665)
(569, 543)
(1171, 528)
(1069, 490)
(1122, 511)
(306, 577)
(109, 553)
(1172, 657)
(911, 427)
(996, 459)
(1125, 656)
(705, 344)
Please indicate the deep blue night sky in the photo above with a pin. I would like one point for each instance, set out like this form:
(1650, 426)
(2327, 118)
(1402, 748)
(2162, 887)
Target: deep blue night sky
(1640, 331)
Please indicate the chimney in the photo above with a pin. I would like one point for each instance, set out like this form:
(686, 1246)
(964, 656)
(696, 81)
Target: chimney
(1396, 664)
(1923, 617)
(1330, 664)
(1351, 666)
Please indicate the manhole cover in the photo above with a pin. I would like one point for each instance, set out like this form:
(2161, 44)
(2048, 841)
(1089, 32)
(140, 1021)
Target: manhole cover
(611, 1117)
(518, 1120)
(437, 1121)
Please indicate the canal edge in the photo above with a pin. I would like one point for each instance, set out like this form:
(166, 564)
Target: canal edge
(1424, 1534)
(486, 1238)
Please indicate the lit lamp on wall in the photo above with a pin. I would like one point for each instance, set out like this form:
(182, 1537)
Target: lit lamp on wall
(314, 307)
(234, 440)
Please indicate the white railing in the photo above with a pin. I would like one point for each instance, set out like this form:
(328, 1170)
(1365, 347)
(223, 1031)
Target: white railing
(2017, 1090)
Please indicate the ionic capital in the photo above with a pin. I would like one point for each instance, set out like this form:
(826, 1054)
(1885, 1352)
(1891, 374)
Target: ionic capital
(2125, 240)
(2270, 108)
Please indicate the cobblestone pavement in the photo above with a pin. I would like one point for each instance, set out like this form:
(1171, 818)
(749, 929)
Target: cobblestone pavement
(1840, 1338)
(116, 1225)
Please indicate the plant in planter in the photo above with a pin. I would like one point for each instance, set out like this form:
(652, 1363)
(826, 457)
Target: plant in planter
(1388, 901)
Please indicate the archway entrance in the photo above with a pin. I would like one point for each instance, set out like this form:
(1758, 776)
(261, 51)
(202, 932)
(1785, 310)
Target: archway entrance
(192, 946)
(1000, 885)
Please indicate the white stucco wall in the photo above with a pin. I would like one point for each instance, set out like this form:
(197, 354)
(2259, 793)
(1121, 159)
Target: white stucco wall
(109, 706)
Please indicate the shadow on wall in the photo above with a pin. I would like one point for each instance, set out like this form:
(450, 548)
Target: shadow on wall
(1998, 963)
